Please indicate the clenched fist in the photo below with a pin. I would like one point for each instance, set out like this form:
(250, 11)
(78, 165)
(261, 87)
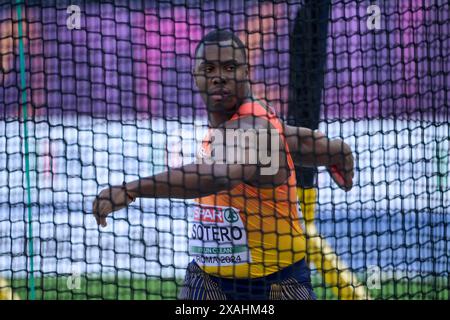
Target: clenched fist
(110, 200)
(342, 169)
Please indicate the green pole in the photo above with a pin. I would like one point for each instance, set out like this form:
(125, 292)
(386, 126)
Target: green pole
(23, 89)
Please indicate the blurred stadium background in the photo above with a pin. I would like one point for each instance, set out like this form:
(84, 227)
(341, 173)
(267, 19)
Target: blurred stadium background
(115, 101)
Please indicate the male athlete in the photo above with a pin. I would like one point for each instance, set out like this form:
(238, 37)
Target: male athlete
(245, 236)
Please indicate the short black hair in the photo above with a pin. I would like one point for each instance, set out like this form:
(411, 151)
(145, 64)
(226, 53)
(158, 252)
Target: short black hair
(217, 36)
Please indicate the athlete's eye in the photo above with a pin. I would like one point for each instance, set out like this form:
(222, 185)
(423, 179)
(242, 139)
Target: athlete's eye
(208, 69)
(230, 68)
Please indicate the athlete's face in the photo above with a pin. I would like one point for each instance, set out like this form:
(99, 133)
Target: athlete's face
(221, 75)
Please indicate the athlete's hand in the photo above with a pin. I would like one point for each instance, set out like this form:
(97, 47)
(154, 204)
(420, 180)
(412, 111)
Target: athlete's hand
(110, 200)
(342, 169)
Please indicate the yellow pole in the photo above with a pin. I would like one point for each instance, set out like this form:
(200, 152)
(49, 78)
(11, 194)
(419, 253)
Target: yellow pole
(343, 282)
(6, 292)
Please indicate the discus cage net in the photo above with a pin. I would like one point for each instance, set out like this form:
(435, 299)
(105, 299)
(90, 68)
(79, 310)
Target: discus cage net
(112, 99)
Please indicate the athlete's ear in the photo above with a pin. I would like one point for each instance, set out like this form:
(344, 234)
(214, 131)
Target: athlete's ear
(195, 72)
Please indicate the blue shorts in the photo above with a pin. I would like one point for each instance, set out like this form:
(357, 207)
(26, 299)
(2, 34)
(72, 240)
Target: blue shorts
(291, 283)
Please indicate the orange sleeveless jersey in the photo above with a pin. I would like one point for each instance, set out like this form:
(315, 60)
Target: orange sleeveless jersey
(248, 232)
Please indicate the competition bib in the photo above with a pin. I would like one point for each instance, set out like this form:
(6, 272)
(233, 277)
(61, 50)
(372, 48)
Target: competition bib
(217, 236)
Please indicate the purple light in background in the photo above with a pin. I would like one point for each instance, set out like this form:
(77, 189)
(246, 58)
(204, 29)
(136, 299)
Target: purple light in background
(384, 73)
(140, 58)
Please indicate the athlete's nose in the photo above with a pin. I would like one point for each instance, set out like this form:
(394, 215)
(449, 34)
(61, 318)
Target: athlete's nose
(218, 80)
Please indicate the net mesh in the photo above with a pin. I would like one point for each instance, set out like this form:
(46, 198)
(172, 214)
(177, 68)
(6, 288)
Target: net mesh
(114, 100)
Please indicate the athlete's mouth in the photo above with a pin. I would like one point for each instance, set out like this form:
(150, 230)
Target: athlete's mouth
(219, 94)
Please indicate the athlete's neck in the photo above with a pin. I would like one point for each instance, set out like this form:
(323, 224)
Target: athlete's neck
(215, 119)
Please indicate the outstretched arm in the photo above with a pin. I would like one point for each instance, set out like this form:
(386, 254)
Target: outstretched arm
(191, 181)
(313, 149)
(187, 182)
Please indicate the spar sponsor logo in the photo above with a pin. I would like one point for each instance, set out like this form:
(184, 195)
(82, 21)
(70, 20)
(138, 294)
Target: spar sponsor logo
(230, 215)
(215, 214)
(208, 214)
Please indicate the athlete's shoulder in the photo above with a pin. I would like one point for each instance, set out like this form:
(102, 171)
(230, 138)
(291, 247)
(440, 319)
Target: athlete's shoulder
(255, 107)
(249, 121)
